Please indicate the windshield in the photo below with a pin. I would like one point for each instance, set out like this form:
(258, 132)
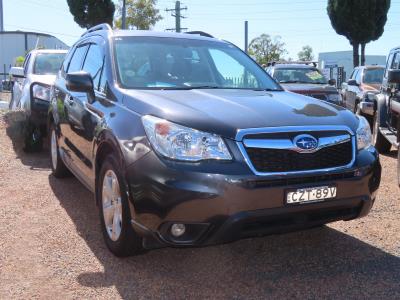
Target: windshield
(48, 63)
(299, 75)
(373, 75)
(172, 63)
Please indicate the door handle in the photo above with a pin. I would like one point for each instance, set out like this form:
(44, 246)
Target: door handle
(70, 100)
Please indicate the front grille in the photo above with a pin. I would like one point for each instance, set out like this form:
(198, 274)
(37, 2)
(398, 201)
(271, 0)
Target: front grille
(283, 160)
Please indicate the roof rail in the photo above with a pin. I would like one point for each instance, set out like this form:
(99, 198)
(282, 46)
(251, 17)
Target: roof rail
(202, 33)
(103, 26)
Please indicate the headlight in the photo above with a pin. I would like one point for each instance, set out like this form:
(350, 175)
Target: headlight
(364, 136)
(370, 96)
(334, 98)
(181, 143)
(41, 92)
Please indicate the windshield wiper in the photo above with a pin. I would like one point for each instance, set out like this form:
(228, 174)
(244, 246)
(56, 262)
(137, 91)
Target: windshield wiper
(267, 90)
(291, 81)
(203, 87)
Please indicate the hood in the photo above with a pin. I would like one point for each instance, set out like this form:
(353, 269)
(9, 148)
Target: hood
(46, 79)
(371, 87)
(303, 88)
(224, 111)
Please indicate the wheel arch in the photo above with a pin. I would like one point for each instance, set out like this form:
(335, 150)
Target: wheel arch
(106, 144)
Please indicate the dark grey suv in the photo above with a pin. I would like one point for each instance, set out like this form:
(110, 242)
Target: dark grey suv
(186, 141)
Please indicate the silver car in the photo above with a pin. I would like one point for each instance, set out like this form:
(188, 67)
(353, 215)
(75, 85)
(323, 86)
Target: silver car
(31, 91)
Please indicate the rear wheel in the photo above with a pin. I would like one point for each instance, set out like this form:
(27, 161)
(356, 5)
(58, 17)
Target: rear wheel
(57, 165)
(380, 142)
(114, 210)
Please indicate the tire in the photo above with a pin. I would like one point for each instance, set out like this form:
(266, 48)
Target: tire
(58, 167)
(33, 139)
(357, 109)
(10, 105)
(380, 142)
(116, 227)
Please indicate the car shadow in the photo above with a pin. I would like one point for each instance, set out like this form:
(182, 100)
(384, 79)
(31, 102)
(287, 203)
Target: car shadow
(317, 263)
(392, 153)
(15, 131)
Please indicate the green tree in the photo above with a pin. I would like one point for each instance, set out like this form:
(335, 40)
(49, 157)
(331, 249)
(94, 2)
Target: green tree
(360, 21)
(376, 11)
(19, 61)
(306, 54)
(140, 14)
(265, 49)
(88, 13)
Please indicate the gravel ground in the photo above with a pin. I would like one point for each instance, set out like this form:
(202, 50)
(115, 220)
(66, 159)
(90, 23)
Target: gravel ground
(51, 247)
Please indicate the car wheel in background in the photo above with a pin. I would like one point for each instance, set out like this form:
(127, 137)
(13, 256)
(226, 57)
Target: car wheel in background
(33, 140)
(57, 165)
(380, 142)
(115, 216)
(357, 110)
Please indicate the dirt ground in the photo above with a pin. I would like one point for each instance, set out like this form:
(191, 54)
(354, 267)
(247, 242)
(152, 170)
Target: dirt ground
(51, 247)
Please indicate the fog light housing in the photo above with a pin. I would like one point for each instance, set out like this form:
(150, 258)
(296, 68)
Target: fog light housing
(178, 230)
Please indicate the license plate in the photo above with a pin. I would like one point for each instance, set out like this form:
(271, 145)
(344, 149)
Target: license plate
(311, 194)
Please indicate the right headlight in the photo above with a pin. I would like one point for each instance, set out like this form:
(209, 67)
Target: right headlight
(41, 92)
(364, 136)
(182, 143)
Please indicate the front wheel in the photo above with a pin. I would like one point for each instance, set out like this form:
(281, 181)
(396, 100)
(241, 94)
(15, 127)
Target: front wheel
(380, 142)
(114, 211)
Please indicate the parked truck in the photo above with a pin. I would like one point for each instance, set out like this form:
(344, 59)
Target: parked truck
(387, 109)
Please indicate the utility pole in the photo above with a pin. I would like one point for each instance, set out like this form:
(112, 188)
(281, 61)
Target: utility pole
(176, 12)
(123, 25)
(1, 16)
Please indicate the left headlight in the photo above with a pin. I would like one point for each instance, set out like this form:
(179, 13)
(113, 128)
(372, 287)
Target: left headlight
(182, 143)
(335, 98)
(364, 136)
(41, 92)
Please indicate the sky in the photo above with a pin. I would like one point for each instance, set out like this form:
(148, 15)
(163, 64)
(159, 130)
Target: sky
(298, 22)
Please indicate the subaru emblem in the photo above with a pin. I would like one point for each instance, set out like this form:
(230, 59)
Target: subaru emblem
(305, 142)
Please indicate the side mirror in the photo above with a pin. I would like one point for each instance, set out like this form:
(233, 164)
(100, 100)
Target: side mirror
(332, 82)
(17, 72)
(352, 82)
(80, 82)
(394, 76)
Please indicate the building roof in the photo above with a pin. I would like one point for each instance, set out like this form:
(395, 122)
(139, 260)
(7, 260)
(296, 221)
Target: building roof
(26, 32)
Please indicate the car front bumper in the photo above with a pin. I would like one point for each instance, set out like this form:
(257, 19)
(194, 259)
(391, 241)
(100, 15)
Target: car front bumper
(217, 208)
(367, 107)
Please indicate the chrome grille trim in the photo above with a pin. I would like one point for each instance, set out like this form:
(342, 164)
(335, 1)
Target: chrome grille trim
(294, 129)
(287, 144)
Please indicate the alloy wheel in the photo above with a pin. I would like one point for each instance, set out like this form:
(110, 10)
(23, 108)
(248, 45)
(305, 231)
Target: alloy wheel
(53, 149)
(112, 205)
